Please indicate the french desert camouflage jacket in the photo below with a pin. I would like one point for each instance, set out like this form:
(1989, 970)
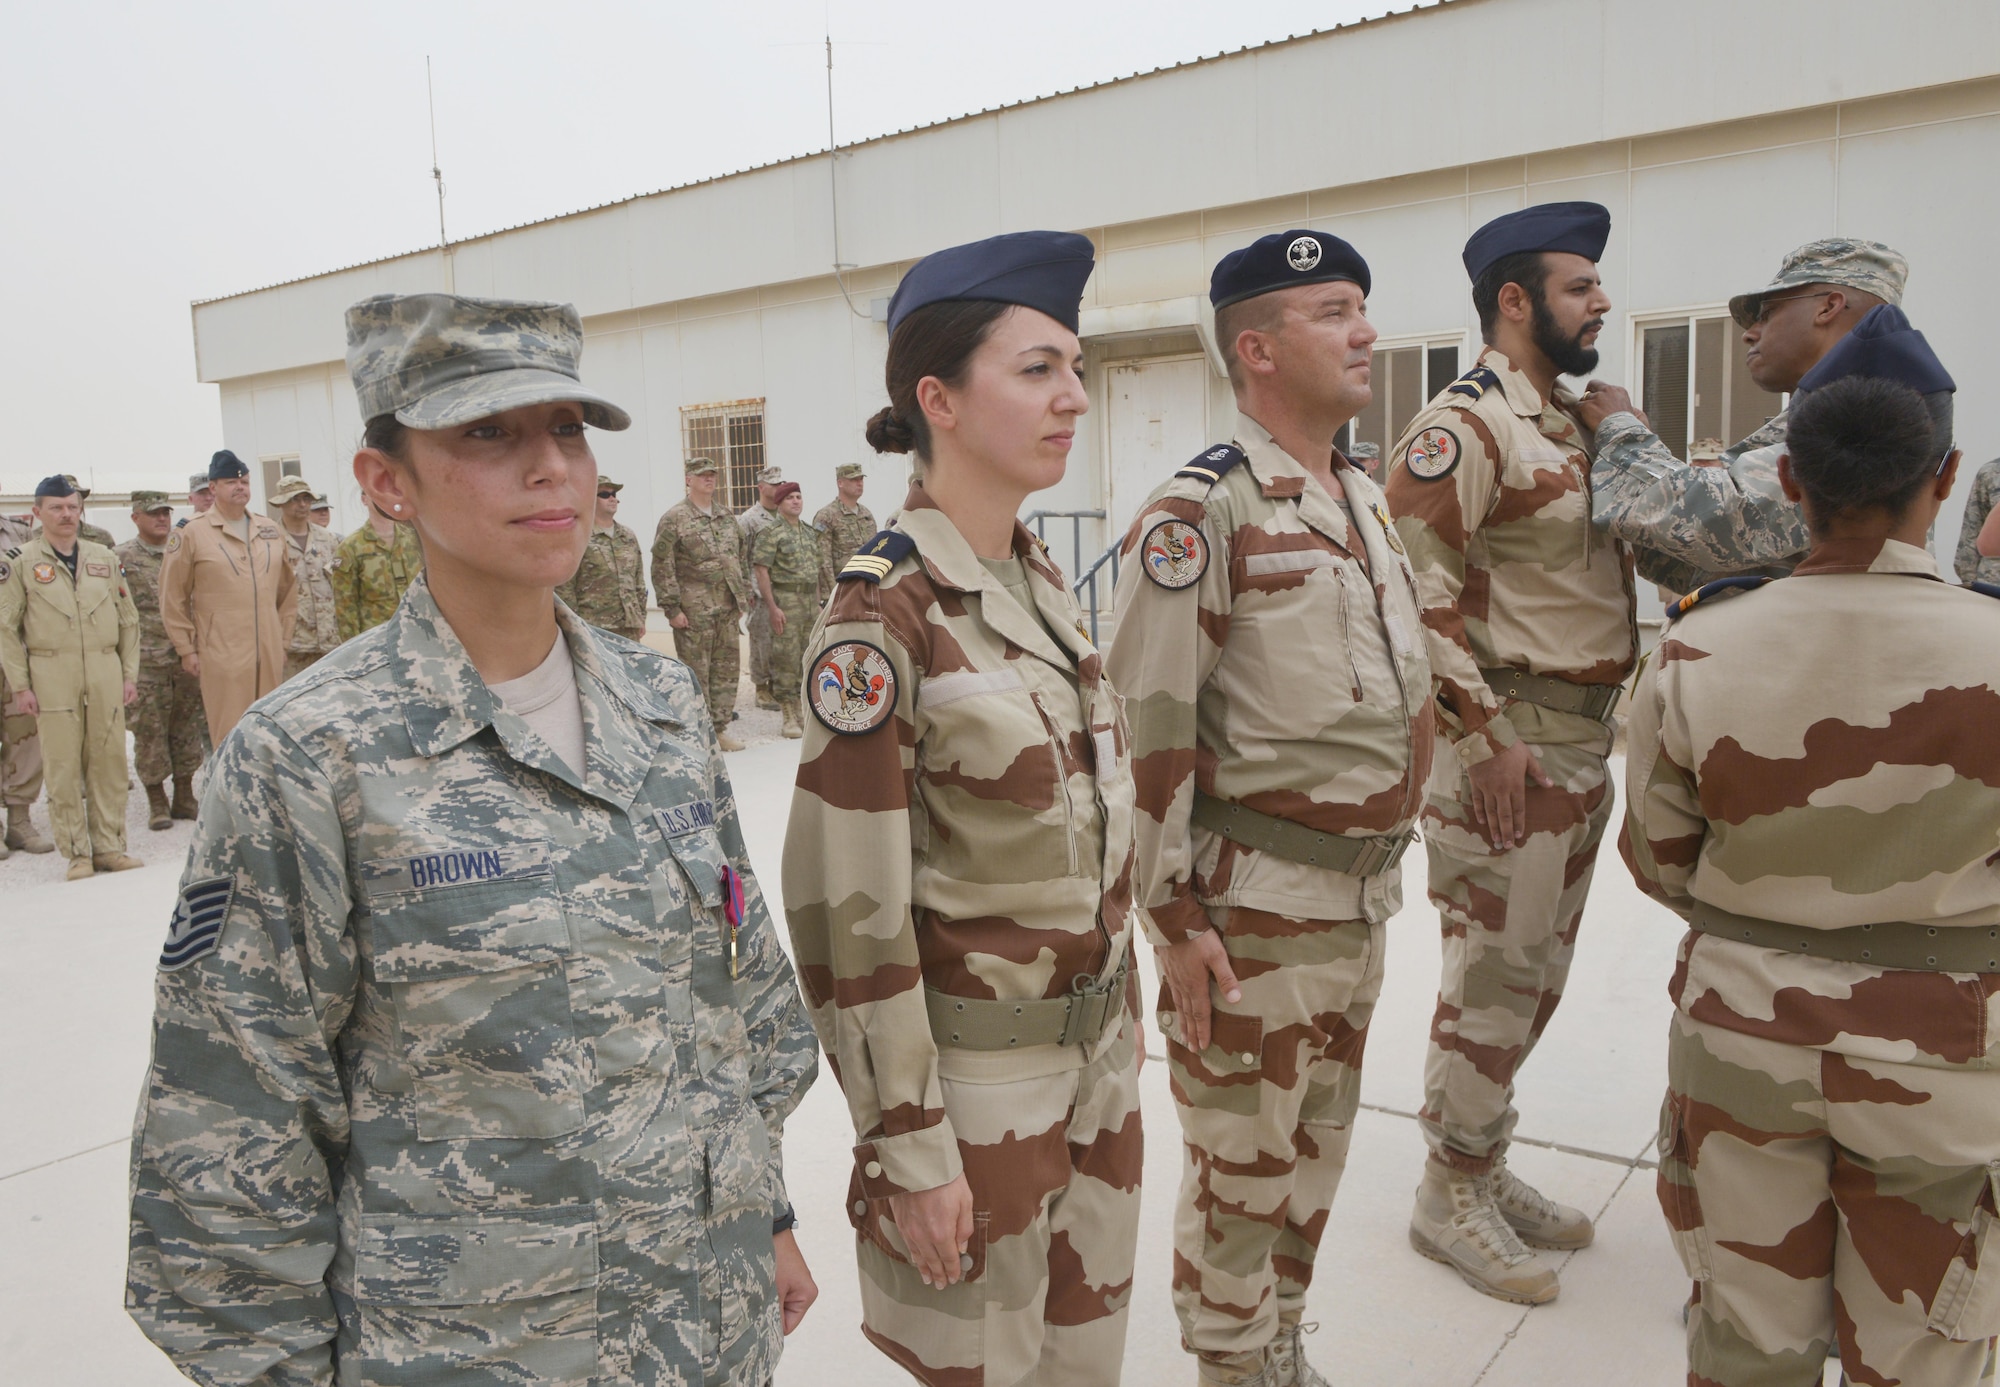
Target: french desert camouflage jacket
(451, 1081)
(1689, 525)
(1491, 494)
(1284, 670)
(967, 828)
(1825, 752)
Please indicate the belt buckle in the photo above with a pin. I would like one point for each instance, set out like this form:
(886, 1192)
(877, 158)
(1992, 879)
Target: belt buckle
(1382, 853)
(1089, 1007)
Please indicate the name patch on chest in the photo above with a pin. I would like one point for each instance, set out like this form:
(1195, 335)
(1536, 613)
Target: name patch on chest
(467, 866)
(98, 570)
(691, 817)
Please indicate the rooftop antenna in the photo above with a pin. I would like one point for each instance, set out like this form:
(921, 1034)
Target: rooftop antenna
(833, 182)
(437, 174)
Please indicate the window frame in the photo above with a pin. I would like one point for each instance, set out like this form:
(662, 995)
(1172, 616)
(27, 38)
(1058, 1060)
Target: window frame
(1690, 317)
(1425, 343)
(738, 489)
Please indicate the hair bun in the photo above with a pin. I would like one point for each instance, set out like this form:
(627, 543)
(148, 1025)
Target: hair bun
(887, 433)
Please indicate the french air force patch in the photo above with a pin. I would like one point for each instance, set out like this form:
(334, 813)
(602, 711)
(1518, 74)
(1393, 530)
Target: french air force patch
(197, 926)
(1174, 554)
(1432, 455)
(852, 689)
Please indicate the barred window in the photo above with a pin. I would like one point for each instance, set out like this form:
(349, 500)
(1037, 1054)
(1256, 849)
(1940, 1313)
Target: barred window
(731, 432)
(1693, 384)
(278, 467)
(1406, 377)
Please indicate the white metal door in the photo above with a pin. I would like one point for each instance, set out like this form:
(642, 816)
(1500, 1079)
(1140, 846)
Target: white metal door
(1159, 420)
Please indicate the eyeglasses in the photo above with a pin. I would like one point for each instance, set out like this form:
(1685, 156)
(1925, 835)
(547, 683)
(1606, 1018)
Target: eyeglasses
(1765, 305)
(607, 495)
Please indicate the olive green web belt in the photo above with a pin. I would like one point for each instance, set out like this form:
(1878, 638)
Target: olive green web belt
(1585, 700)
(1895, 944)
(975, 1023)
(1295, 842)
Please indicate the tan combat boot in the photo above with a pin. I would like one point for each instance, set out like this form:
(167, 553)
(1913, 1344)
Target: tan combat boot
(1539, 1220)
(1231, 1370)
(114, 862)
(793, 727)
(79, 868)
(183, 807)
(1285, 1362)
(158, 815)
(1456, 1222)
(766, 699)
(21, 833)
(727, 742)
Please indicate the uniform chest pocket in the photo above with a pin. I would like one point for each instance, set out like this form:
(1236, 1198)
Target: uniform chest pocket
(1290, 664)
(994, 771)
(476, 969)
(696, 898)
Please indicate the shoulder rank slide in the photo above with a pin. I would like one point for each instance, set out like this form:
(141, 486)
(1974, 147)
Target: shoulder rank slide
(1475, 383)
(873, 560)
(1213, 465)
(1985, 589)
(1709, 591)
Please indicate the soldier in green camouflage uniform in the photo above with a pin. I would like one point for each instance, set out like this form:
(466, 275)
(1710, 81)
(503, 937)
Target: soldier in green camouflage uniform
(609, 589)
(473, 1045)
(1529, 616)
(1687, 524)
(789, 562)
(20, 741)
(166, 718)
(1980, 500)
(1811, 785)
(844, 524)
(698, 577)
(1323, 744)
(757, 624)
(371, 569)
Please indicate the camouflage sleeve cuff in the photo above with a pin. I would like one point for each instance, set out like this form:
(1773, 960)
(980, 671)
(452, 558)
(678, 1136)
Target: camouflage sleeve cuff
(909, 1162)
(1175, 921)
(1616, 428)
(1491, 738)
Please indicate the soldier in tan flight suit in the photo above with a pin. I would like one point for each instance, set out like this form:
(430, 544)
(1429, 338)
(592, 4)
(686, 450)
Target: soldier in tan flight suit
(1528, 613)
(228, 597)
(958, 865)
(1267, 649)
(69, 641)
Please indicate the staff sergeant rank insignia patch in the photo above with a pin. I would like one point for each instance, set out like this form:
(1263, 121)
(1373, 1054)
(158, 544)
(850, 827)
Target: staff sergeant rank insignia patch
(197, 926)
(1175, 554)
(852, 689)
(1433, 455)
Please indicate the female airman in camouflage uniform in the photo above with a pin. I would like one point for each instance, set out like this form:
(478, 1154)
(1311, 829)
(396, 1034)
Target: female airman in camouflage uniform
(1814, 785)
(474, 1042)
(958, 866)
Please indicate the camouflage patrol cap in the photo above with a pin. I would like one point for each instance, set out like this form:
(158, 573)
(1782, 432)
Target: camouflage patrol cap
(150, 501)
(288, 489)
(848, 471)
(197, 483)
(696, 467)
(321, 503)
(1841, 261)
(438, 360)
(76, 485)
(605, 483)
(771, 476)
(1364, 450)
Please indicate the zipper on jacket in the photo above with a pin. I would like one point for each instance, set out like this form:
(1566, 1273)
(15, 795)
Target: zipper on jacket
(1062, 776)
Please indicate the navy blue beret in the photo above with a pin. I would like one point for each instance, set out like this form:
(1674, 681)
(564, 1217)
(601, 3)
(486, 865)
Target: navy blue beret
(1575, 228)
(1882, 346)
(1280, 261)
(224, 465)
(1043, 270)
(54, 486)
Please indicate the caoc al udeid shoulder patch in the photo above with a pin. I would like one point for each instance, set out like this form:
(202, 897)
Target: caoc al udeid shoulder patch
(1432, 455)
(197, 926)
(1175, 554)
(852, 689)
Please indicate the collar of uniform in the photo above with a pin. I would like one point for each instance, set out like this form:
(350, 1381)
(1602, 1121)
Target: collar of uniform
(951, 563)
(215, 521)
(1868, 556)
(1520, 392)
(1280, 476)
(618, 726)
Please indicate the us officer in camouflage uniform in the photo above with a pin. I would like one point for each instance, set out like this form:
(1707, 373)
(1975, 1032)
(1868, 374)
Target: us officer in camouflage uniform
(1810, 786)
(1687, 524)
(372, 568)
(474, 1041)
(753, 519)
(1529, 618)
(958, 866)
(1281, 866)
(844, 523)
(20, 745)
(315, 625)
(698, 577)
(1967, 561)
(166, 717)
(789, 561)
(609, 589)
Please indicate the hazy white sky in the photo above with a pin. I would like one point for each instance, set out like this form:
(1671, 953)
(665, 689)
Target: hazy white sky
(157, 153)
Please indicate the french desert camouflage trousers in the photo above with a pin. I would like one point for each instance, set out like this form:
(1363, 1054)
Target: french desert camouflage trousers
(20, 753)
(708, 647)
(758, 624)
(1510, 922)
(1815, 1198)
(166, 721)
(1054, 1164)
(1266, 1114)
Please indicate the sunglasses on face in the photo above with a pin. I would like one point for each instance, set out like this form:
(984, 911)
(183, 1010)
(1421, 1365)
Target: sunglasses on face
(1764, 307)
(607, 495)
